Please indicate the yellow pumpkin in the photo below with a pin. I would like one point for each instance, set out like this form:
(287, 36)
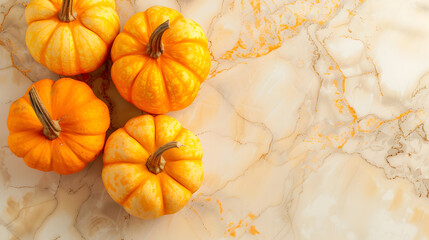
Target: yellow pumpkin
(152, 166)
(71, 37)
(58, 126)
(160, 60)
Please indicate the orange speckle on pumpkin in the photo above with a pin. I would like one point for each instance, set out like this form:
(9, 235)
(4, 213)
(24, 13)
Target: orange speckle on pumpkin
(124, 181)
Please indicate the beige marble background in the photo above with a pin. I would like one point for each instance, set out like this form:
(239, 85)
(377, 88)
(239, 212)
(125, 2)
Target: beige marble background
(313, 122)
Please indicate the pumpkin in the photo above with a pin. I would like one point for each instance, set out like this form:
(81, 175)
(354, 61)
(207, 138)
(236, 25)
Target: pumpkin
(152, 166)
(159, 60)
(58, 126)
(71, 37)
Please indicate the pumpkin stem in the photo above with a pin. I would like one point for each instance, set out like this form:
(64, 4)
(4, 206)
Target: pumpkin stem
(51, 128)
(155, 163)
(66, 13)
(155, 47)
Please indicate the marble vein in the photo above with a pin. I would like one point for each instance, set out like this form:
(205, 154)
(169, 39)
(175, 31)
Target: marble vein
(313, 122)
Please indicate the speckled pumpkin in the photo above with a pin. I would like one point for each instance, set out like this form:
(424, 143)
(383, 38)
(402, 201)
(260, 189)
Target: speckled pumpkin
(152, 166)
(160, 60)
(71, 37)
(58, 126)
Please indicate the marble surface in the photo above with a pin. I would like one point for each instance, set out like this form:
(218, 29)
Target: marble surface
(313, 122)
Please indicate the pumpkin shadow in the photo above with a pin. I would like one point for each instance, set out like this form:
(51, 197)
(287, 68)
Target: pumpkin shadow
(103, 87)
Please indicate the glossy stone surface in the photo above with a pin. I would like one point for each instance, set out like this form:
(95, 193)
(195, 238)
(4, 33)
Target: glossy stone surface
(313, 122)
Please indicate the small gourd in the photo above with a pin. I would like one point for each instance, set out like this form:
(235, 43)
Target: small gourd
(71, 37)
(160, 60)
(152, 166)
(58, 126)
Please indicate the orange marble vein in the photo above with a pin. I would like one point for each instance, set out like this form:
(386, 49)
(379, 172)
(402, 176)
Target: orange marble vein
(266, 32)
(372, 123)
(243, 226)
(253, 231)
(220, 206)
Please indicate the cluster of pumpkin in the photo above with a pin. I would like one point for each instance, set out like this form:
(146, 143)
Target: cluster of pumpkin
(152, 165)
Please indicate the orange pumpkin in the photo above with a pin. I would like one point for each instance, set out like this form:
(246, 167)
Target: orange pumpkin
(58, 126)
(160, 60)
(70, 37)
(152, 166)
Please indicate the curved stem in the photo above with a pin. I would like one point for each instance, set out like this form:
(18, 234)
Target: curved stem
(66, 13)
(51, 128)
(155, 163)
(155, 47)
